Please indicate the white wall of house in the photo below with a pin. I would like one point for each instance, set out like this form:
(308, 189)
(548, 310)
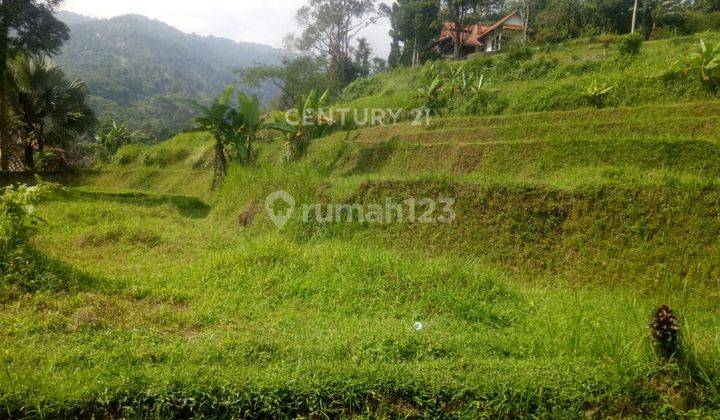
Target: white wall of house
(515, 20)
(493, 40)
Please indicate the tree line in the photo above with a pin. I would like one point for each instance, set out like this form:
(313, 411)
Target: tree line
(332, 54)
(417, 23)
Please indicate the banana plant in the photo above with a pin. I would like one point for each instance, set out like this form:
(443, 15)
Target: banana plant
(705, 61)
(110, 140)
(218, 119)
(430, 95)
(597, 92)
(478, 87)
(308, 123)
(247, 121)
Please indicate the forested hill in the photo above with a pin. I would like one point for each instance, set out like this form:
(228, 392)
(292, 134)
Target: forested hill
(141, 71)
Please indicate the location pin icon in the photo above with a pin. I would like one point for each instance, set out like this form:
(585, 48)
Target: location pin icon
(280, 218)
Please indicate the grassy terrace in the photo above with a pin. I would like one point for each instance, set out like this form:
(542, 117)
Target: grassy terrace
(572, 227)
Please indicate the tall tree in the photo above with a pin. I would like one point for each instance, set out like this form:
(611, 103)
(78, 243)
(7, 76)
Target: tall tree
(378, 65)
(30, 27)
(329, 28)
(51, 109)
(415, 23)
(394, 58)
(293, 77)
(461, 13)
(361, 57)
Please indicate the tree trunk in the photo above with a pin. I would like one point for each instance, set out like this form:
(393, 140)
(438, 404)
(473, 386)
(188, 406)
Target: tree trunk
(634, 17)
(5, 143)
(220, 165)
(29, 157)
(249, 151)
(526, 20)
(415, 53)
(41, 140)
(458, 40)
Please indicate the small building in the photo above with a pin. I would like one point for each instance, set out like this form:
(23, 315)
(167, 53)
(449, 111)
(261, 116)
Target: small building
(480, 38)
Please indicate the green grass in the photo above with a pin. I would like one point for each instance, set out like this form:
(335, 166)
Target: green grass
(572, 227)
(555, 78)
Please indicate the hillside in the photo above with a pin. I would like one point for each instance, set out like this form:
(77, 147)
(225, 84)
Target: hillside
(573, 225)
(141, 71)
(552, 78)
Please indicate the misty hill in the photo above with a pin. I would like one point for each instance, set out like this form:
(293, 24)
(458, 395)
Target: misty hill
(141, 71)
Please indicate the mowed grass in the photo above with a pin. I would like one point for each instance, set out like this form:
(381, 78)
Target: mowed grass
(572, 227)
(237, 325)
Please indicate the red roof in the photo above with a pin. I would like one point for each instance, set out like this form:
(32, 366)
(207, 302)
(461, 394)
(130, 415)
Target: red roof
(498, 23)
(472, 35)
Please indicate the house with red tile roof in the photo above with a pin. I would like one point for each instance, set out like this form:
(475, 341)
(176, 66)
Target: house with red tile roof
(479, 38)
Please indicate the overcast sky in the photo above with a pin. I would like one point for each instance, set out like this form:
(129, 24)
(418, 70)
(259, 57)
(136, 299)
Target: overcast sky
(262, 21)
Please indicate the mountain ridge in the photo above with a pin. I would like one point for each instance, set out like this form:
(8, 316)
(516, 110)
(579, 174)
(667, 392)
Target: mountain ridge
(141, 70)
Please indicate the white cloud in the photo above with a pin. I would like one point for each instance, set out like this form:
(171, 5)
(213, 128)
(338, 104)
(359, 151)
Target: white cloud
(265, 22)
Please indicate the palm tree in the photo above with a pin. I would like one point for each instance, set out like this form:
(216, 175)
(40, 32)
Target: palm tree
(50, 108)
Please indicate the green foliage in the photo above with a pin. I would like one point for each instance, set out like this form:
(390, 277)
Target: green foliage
(430, 95)
(293, 77)
(110, 138)
(364, 86)
(50, 162)
(21, 267)
(18, 220)
(308, 122)
(235, 125)
(597, 92)
(629, 45)
(50, 109)
(704, 64)
(329, 28)
(517, 52)
(141, 71)
(415, 23)
(447, 84)
(701, 22)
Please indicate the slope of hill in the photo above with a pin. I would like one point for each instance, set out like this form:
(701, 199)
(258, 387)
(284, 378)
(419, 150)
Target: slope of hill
(572, 227)
(140, 70)
(552, 78)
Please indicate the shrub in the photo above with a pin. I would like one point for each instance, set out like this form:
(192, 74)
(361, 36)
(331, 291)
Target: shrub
(700, 22)
(51, 162)
(629, 44)
(705, 64)
(517, 51)
(21, 267)
(480, 64)
(597, 92)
